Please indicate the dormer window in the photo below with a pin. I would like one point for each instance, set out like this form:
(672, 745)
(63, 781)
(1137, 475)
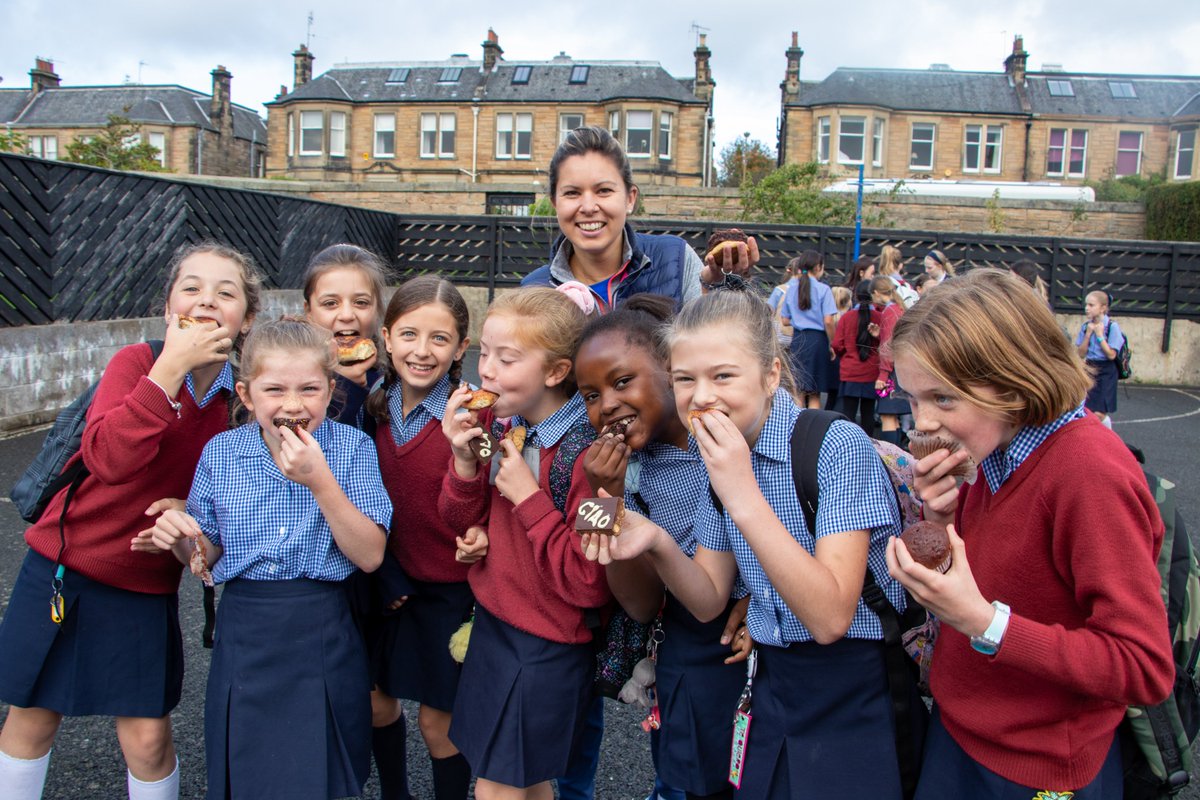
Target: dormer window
(579, 73)
(399, 75)
(521, 75)
(450, 75)
(1060, 88)
(1122, 89)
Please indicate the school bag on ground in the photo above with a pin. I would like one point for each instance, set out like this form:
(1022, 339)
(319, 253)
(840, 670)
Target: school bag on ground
(1157, 740)
(1124, 357)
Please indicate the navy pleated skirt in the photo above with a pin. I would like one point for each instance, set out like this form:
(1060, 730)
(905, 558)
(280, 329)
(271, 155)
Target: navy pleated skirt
(1102, 396)
(412, 654)
(822, 724)
(863, 389)
(947, 771)
(117, 653)
(522, 701)
(288, 710)
(811, 367)
(697, 698)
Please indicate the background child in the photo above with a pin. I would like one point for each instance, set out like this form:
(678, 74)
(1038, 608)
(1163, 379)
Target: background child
(775, 301)
(425, 335)
(623, 380)
(937, 266)
(511, 721)
(822, 716)
(1098, 341)
(143, 438)
(891, 266)
(809, 308)
(857, 344)
(286, 516)
(1045, 565)
(923, 283)
(892, 403)
(344, 288)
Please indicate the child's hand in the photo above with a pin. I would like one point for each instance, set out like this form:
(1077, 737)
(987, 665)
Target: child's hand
(472, 545)
(173, 527)
(937, 489)
(737, 259)
(726, 455)
(143, 542)
(300, 458)
(460, 429)
(954, 598)
(515, 480)
(200, 345)
(873, 329)
(357, 372)
(638, 535)
(604, 464)
(736, 634)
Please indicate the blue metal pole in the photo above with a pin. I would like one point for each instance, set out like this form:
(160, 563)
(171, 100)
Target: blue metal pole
(858, 215)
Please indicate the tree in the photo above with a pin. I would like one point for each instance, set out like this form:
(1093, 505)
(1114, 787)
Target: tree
(759, 161)
(792, 194)
(12, 142)
(119, 145)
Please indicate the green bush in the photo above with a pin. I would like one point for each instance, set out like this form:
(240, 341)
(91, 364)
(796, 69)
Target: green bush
(1173, 212)
(1129, 189)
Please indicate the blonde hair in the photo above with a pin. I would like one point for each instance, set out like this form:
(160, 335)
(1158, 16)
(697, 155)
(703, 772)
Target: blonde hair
(289, 335)
(940, 258)
(885, 286)
(987, 329)
(735, 312)
(548, 320)
(889, 260)
(1103, 296)
(842, 298)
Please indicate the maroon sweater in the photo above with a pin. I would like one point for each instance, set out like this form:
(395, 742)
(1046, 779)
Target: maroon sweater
(854, 369)
(138, 451)
(1070, 543)
(413, 473)
(535, 576)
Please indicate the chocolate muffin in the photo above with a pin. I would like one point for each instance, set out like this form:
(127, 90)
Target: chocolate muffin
(928, 544)
(728, 237)
(922, 444)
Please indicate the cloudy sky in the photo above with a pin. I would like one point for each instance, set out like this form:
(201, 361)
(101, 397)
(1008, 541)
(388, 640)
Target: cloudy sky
(94, 43)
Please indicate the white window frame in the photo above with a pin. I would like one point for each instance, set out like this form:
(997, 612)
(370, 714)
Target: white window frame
(158, 141)
(639, 120)
(43, 146)
(319, 118)
(877, 129)
(1137, 170)
(1059, 87)
(823, 130)
(993, 151)
(447, 134)
(614, 124)
(1067, 149)
(337, 133)
(428, 134)
(982, 146)
(931, 127)
(566, 124)
(514, 136)
(665, 121)
(1071, 148)
(384, 124)
(844, 136)
(1188, 137)
(291, 126)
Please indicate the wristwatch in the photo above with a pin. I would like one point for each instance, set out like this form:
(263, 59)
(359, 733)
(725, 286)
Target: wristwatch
(988, 642)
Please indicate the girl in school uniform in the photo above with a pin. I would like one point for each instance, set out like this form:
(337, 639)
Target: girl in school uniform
(822, 715)
(425, 335)
(937, 266)
(892, 403)
(1098, 342)
(526, 682)
(1051, 617)
(656, 466)
(283, 517)
(118, 651)
(856, 343)
(809, 307)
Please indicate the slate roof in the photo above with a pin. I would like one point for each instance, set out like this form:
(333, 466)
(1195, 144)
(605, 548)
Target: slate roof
(1155, 97)
(549, 81)
(1191, 108)
(90, 106)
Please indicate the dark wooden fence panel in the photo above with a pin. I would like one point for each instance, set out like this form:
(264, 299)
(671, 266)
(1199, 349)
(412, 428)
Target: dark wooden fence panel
(26, 242)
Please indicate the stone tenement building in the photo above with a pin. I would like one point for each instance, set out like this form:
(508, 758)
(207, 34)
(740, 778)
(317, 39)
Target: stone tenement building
(1013, 125)
(195, 133)
(488, 121)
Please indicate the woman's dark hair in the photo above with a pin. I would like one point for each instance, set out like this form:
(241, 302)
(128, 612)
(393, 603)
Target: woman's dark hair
(802, 265)
(864, 340)
(921, 280)
(422, 290)
(856, 271)
(592, 139)
(1026, 270)
(639, 319)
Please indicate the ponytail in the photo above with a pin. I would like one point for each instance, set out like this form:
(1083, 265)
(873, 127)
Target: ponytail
(802, 265)
(864, 340)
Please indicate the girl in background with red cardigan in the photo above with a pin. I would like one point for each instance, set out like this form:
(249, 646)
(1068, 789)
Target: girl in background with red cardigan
(856, 341)
(1052, 621)
(119, 651)
(425, 335)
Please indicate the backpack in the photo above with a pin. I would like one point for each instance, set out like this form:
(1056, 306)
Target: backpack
(45, 476)
(1124, 357)
(1157, 740)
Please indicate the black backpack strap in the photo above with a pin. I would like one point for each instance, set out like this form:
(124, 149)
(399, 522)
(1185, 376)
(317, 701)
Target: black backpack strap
(807, 436)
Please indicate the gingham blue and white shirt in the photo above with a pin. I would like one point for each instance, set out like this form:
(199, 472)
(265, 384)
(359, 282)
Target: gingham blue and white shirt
(271, 527)
(555, 426)
(224, 381)
(1003, 462)
(854, 494)
(432, 407)
(1114, 337)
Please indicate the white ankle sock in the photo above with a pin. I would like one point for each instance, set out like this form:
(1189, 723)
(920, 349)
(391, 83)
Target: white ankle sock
(165, 789)
(23, 777)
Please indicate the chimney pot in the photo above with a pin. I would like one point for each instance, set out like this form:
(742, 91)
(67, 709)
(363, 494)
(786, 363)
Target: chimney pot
(302, 66)
(491, 51)
(43, 76)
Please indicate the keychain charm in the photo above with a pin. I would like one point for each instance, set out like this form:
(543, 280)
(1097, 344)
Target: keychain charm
(58, 609)
(741, 725)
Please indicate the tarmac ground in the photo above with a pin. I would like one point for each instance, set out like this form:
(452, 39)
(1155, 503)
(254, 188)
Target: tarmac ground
(1164, 422)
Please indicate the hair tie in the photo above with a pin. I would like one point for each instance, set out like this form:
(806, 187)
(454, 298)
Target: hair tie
(580, 295)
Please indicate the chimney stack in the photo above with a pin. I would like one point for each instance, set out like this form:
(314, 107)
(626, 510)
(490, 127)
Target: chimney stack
(303, 67)
(491, 51)
(43, 76)
(219, 107)
(791, 79)
(704, 82)
(1015, 64)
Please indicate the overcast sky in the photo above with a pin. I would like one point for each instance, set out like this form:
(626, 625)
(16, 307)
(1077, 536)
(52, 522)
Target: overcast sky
(100, 43)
